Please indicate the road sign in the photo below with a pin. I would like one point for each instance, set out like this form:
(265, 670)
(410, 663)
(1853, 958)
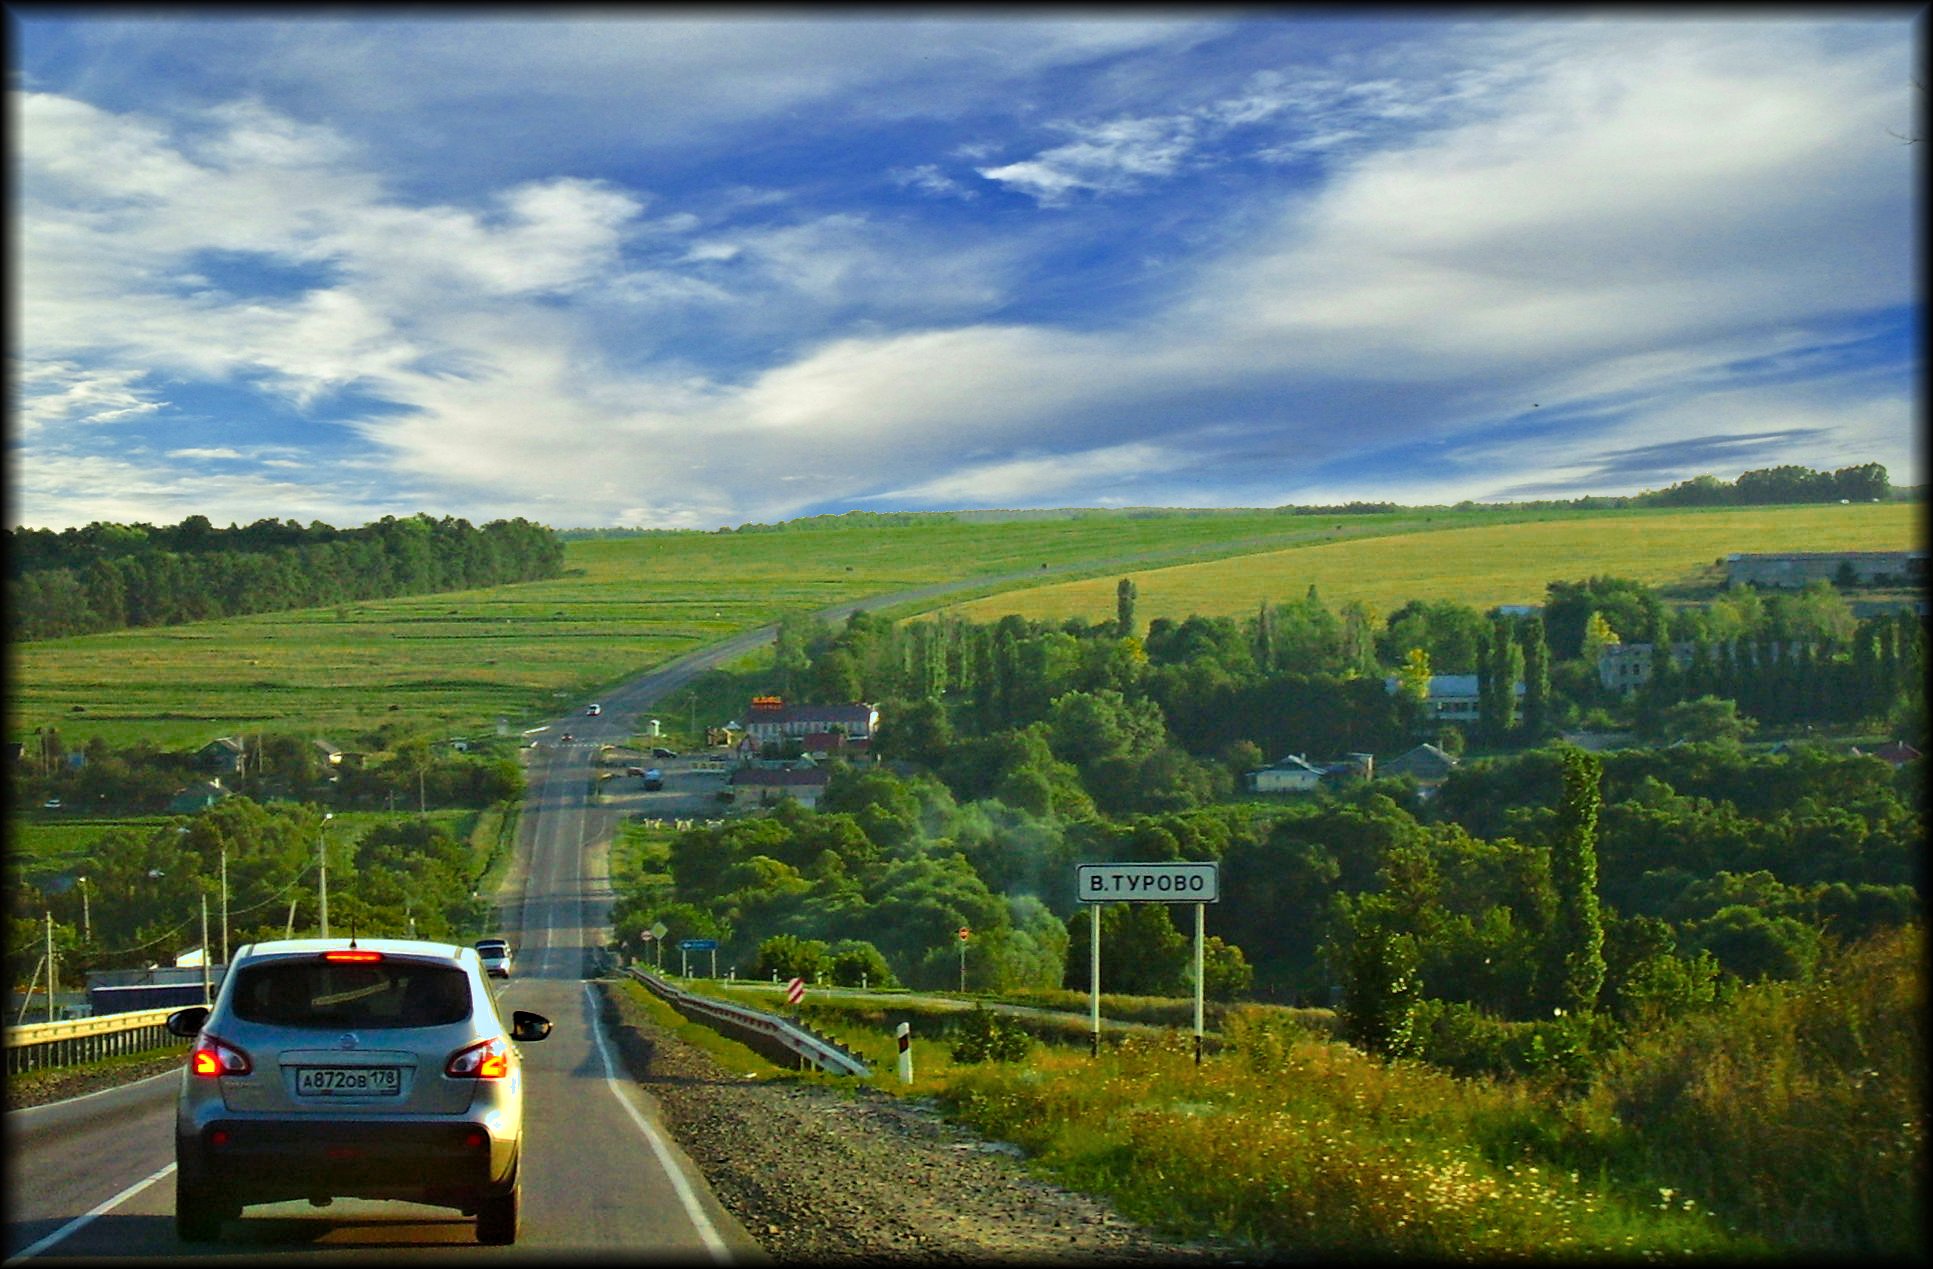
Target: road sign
(1148, 883)
(659, 930)
(697, 945)
(647, 936)
(795, 991)
(966, 933)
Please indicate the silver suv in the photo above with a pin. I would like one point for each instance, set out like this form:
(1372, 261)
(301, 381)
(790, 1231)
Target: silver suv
(338, 1068)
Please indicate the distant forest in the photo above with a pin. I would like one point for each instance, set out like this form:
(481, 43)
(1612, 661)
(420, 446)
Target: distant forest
(1867, 482)
(114, 576)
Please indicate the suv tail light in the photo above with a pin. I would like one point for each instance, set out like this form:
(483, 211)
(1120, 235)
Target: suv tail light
(357, 957)
(485, 1060)
(213, 1058)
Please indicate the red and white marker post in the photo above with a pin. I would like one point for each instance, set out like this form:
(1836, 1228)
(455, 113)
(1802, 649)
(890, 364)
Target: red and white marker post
(905, 1033)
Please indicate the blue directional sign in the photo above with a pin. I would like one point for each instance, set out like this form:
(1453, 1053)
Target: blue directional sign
(697, 945)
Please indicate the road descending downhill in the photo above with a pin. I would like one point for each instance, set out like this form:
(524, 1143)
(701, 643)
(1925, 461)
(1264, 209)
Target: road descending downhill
(817, 1174)
(93, 1177)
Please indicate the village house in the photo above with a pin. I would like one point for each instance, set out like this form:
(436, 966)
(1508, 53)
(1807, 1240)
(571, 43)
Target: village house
(770, 720)
(1291, 774)
(223, 755)
(1296, 774)
(1452, 697)
(198, 797)
(1426, 764)
(1895, 753)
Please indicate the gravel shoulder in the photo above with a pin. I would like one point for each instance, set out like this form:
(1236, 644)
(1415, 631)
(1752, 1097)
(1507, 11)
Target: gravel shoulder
(819, 1173)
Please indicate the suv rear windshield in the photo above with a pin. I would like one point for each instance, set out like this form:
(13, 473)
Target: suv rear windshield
(488, 946)
(388, 993)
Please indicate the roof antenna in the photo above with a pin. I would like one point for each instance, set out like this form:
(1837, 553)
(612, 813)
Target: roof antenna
(352, 932)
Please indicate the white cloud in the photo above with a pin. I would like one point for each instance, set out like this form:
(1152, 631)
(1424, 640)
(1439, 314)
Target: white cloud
(56, 392)
(1081, 477)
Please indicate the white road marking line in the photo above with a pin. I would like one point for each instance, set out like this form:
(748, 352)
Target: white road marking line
(84, 1218)
(686, 1195)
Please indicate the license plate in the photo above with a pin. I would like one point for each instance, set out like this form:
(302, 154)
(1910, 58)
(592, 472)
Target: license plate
(349, 1081)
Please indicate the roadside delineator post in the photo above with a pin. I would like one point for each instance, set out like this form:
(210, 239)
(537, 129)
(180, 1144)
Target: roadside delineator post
(905, 1033)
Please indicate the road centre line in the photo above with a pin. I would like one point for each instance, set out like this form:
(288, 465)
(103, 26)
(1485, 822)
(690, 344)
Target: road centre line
(693, 1209)
(87, 1217)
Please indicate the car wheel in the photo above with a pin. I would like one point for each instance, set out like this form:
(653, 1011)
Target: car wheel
(199, 1212)
(500, 1216)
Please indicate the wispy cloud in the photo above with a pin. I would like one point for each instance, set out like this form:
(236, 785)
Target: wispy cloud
(726, 271)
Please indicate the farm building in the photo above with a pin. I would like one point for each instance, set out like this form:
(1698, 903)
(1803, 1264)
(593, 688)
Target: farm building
(803, 785)
(1795, 569)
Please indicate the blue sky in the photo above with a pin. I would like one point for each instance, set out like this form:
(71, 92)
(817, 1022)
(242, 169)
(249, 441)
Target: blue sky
(696, 270)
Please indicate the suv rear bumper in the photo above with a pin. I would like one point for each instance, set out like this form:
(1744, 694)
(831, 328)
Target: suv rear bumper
(450, 1164)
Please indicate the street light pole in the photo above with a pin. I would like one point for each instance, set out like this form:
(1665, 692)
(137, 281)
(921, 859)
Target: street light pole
(224, 903)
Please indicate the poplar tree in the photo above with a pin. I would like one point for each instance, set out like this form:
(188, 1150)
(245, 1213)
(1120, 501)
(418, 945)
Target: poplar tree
(1124, 607)
(1574, 952)
(1536, 653)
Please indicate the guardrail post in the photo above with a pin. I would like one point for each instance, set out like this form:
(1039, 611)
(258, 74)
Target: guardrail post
(904, 1032)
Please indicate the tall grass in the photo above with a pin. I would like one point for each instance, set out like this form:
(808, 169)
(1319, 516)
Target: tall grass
(1789, 1120)
(1799, 1110)
(1293, 1144)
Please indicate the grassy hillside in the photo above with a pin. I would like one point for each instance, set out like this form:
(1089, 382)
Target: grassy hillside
(456, 663)
(1481, 565)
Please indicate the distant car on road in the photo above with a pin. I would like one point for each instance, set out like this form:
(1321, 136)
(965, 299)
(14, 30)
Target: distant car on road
(51, 804)
(593, 711)
(495, 955)
(653, 780)
(332, 1068)
(661, 752)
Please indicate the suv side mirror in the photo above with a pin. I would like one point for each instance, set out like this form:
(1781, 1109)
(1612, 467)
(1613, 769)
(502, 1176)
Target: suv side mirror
(525, 1025)
(187, 1022)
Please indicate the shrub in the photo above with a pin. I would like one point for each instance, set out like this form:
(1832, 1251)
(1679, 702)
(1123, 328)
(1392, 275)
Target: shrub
(985, 1036)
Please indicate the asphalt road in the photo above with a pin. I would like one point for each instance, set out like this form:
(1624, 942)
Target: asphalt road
(93, 1178)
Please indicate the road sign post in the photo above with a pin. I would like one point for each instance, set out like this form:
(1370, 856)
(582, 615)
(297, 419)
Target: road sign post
(1096, 884)
(966, 932)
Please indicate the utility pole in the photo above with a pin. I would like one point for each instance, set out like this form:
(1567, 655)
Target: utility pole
(53, 979)
(87, 924)
(322, 857)
(224, 903)
(207, 997)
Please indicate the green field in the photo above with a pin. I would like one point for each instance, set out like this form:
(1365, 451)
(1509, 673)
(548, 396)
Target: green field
(1480, 566)
(454, 664)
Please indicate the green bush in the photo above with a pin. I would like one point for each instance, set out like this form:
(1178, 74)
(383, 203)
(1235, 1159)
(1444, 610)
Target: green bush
(985, 1036)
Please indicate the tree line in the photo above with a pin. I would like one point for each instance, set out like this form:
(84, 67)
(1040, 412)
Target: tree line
(143, 779)
(114, 576)
(1865, 482)
(137, 898)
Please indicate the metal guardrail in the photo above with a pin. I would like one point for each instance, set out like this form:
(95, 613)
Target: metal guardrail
(762, 1029)
(42, 1045)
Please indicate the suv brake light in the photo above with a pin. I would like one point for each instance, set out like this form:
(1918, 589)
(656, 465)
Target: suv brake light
(354, 957)
(213, 1058)
(485, 1060)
